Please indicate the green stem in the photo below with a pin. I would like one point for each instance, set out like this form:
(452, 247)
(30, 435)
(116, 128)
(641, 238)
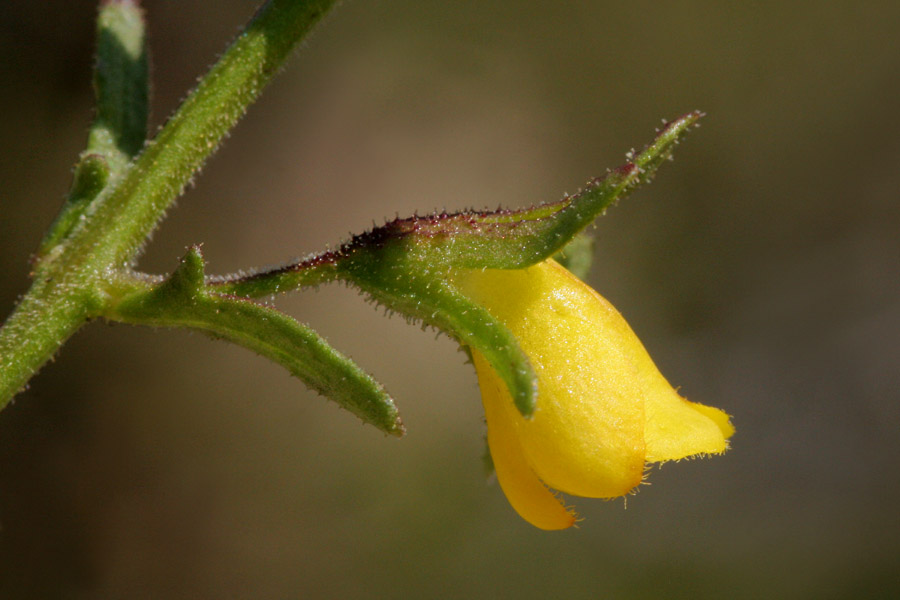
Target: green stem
(311, 272)
(69, 282)
(42, 321)
(123, 219)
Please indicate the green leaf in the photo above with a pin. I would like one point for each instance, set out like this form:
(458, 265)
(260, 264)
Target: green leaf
(183, 301)
(120, 83)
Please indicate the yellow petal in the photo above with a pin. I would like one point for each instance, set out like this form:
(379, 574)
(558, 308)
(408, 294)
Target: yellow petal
(677, 428)
(586, 435)
(525, 492)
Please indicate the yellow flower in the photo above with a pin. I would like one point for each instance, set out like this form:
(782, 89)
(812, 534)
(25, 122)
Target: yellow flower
(603, 408)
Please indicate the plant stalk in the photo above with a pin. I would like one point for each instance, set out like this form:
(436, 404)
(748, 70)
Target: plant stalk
(71, 280)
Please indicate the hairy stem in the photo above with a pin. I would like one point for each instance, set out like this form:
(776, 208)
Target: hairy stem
(71, 278)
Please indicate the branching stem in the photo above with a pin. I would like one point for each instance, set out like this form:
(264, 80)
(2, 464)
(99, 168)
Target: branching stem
(71, 279)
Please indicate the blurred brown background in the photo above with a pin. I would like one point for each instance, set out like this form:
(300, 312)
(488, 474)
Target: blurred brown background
(762, 270)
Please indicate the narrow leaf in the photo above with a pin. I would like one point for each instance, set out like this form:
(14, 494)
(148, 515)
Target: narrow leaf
(120, 83)
(182, 301)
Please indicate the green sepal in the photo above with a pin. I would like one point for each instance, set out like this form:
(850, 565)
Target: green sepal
(422, 293)
(182, 300)
(502, 239)
(515, 239)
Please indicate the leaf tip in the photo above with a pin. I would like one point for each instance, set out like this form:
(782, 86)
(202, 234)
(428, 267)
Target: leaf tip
(397, 428)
